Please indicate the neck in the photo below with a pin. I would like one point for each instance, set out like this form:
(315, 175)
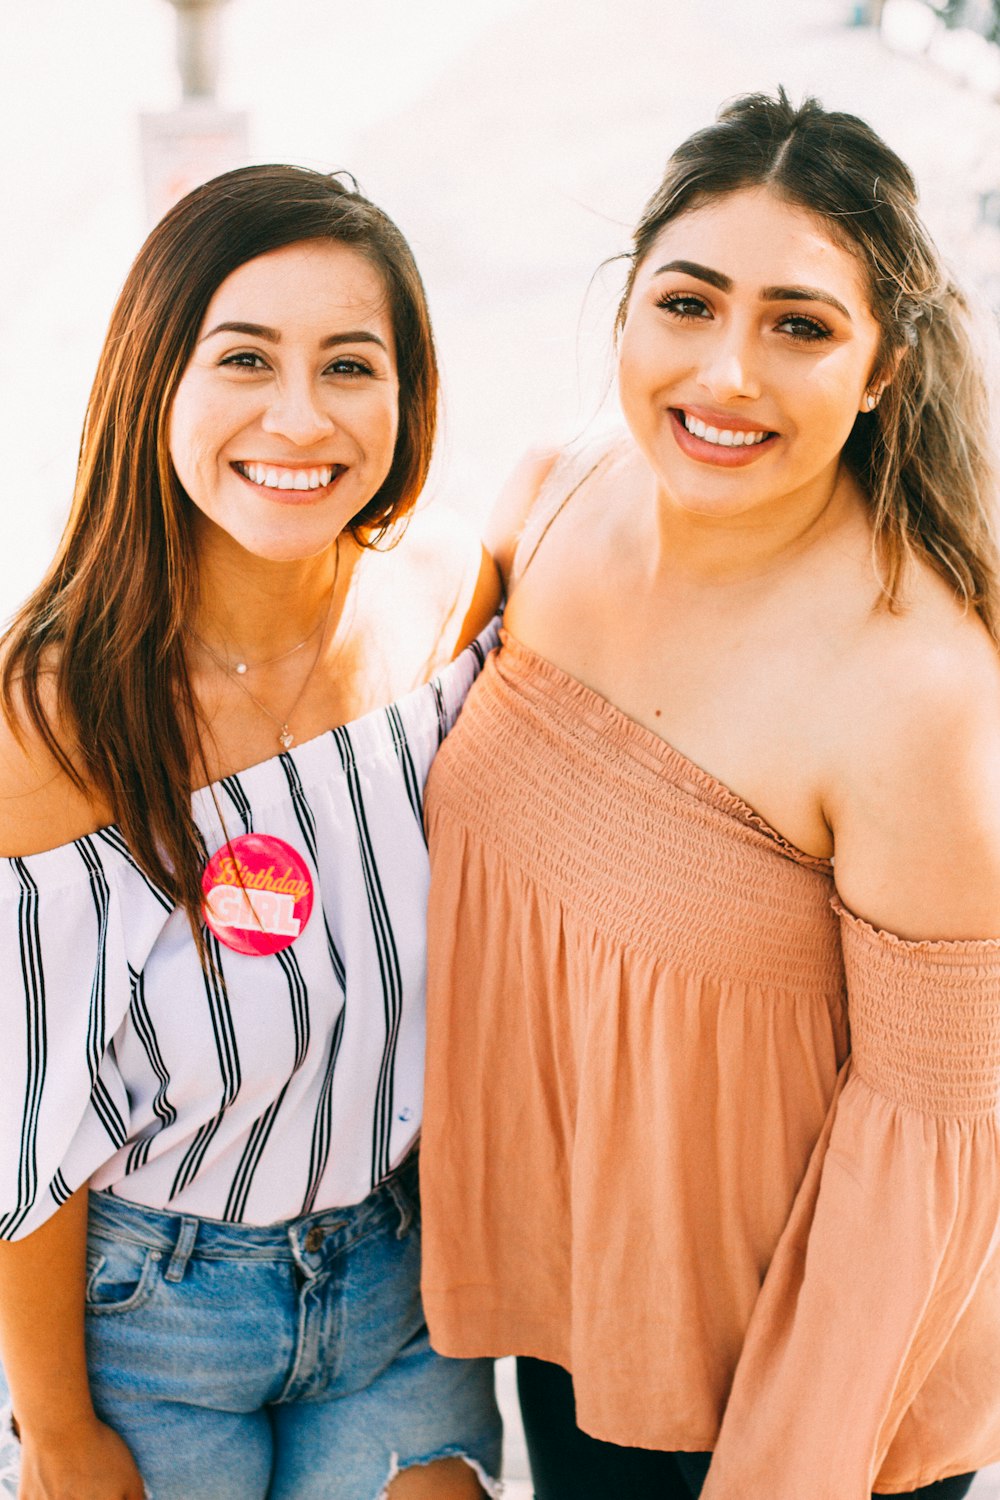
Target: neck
(256, 607)
(715, 548)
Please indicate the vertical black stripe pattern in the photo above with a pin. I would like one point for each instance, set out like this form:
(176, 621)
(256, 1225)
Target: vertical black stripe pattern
(36, 1041)
(313, 1116)
(298, 993)
(307, 822)
(252, 1153)
(114, 840)
(439, 704)
(162, 1107)
(388, 961)
(401, 745)
(60, 1189)
(322, 1134)
(104, 1106)
(233, 789)
(229, 1063)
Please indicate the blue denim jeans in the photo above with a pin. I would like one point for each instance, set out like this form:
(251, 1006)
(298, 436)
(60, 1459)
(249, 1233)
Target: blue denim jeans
(289, 1362)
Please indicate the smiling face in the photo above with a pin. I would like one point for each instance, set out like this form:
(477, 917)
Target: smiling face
(285, 419)
(746, 353)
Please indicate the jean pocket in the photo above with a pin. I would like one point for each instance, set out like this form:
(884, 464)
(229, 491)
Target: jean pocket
(121, 1275)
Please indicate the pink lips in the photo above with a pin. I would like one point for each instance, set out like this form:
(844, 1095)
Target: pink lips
(715, 453)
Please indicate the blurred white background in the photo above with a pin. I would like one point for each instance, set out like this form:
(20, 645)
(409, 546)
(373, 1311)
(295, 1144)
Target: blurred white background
(513, 140)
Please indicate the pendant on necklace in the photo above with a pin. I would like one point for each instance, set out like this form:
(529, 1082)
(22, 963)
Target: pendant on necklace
(240, 667)
(286, 738)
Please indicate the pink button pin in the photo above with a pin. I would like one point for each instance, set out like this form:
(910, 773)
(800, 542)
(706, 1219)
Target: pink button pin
(257, 894)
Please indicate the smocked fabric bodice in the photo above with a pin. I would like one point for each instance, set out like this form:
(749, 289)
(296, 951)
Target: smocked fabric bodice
(694, 1131)
(260, 1086)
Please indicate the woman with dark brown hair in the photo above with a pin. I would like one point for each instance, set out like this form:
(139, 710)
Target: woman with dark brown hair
(725, 937)
(220, 708)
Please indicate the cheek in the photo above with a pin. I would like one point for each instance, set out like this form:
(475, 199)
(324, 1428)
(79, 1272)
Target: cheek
(829, 402)
(383, 422)
(197, 429)
(646, 359)
(182, 429)
(179, 442)
(640, 379)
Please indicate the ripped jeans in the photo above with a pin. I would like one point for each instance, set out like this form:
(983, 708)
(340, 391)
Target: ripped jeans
(283, 1363)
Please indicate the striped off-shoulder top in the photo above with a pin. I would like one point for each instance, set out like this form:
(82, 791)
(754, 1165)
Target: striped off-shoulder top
(261, 1085)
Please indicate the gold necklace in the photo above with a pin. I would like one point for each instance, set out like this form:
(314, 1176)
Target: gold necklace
(242, 667)
(236, 671)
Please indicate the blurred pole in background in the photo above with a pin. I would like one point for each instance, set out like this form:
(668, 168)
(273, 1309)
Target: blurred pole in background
(186, 146)
(198, 46)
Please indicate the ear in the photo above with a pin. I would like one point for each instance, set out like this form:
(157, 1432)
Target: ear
(880, 379)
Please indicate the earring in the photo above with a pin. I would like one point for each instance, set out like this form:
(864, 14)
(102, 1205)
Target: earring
(871, 400)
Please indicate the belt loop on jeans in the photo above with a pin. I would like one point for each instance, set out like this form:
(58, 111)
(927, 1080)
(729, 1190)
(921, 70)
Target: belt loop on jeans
(182, 1250)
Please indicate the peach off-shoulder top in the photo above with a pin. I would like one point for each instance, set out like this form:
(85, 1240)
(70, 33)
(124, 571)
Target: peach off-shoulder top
(693, 1131)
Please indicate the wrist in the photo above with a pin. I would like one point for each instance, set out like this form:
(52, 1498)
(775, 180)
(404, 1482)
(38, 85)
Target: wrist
(53, 1424)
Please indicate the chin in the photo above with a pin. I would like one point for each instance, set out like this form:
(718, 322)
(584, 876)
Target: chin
(285, 549)
(710, 494)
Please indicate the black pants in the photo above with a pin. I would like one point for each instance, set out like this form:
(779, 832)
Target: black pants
(566, 1464)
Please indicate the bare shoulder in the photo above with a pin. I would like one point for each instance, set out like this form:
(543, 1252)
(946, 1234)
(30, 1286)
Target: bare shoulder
(514, 503)
(41, 806)
(916, 806)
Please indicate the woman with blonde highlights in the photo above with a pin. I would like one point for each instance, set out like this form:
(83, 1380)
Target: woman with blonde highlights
(218, 722)
(725, 939)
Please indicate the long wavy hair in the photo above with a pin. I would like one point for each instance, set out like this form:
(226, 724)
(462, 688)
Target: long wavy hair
(925, 456)
(106, 625)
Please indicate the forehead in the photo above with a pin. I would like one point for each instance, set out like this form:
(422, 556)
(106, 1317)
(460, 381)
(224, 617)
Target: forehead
(759, 240)
(317, 284)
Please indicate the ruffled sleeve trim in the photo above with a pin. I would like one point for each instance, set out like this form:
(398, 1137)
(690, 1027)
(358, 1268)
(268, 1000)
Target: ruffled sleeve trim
(925, 1018)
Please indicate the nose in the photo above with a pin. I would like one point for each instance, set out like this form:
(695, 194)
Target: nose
(297, 411)
(729, 370)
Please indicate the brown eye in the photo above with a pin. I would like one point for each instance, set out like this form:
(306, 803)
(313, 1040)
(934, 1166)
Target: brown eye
(347, 365)
(683, 305)
(244, 360)
(807, 330)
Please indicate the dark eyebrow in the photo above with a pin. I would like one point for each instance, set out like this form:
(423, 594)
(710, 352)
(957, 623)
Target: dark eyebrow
(255, 331)
(802, 294)
(769, 294)
(272, 336)
(700, 273)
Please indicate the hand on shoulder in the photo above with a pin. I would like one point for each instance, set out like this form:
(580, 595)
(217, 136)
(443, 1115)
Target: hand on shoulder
(916, 809)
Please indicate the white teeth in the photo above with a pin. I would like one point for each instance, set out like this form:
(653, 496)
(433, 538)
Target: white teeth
(724, 437)
(287, 479)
